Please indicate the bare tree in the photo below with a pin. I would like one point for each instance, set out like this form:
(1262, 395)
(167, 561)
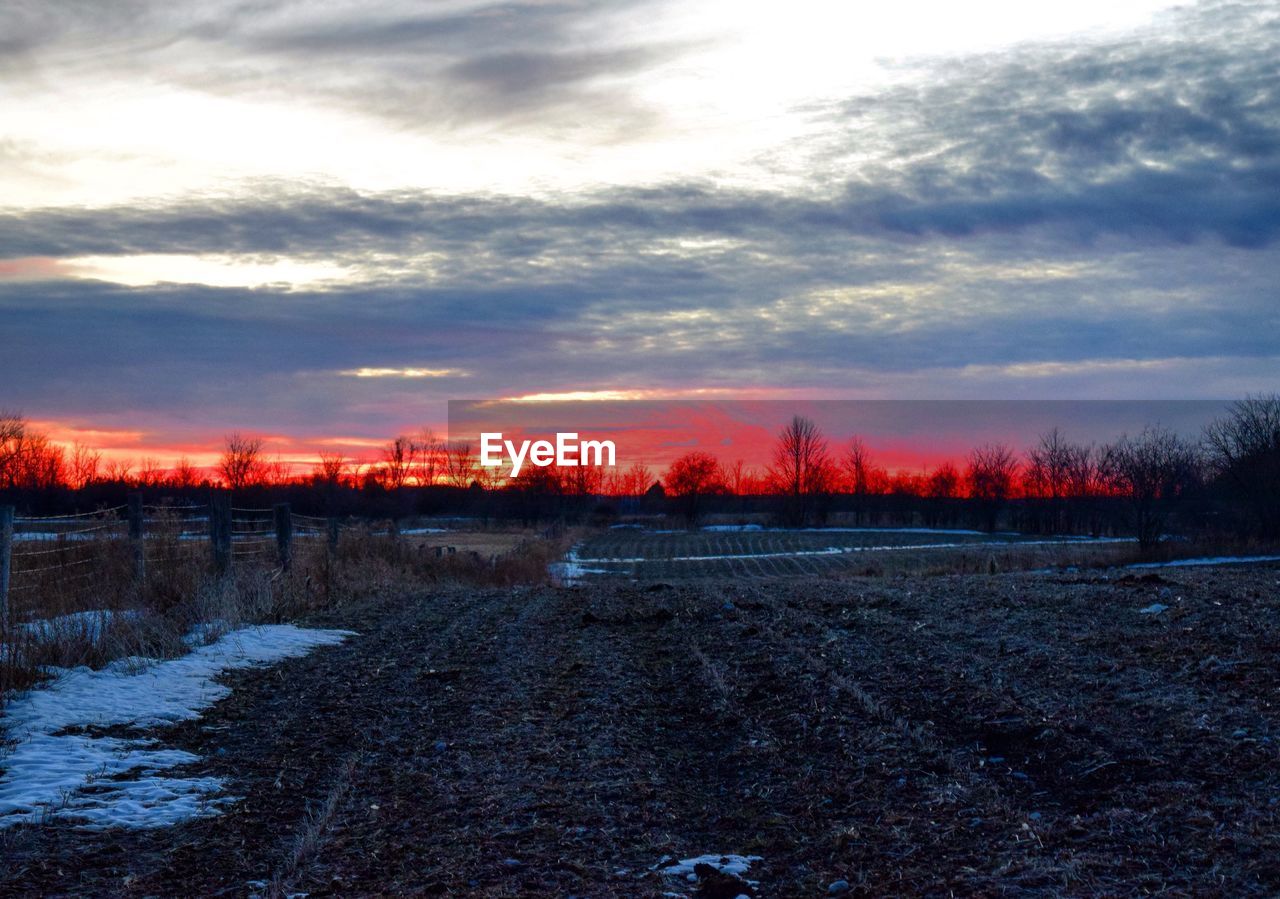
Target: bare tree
(332, 470)
(856, 464)
(1153, 471)
(277, 471)
(735, 475)
(858, 476)
(801, 459)
(184, 475)
(801, 469)
(119, 471)
(150, 473)
(1053, 468)
(430, 458)
(639, 479)
(399, 461)
(944, 482)
(581, 480)
(35, 463)
(689, 479)
(83, 466)
(13, 429)
(1048, 466)
(990, 475)
(1244, 450)
(241, 464)
(459, 463)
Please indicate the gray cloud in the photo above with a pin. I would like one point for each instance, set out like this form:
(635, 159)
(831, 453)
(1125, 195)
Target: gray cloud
(544, 66)
(1115, 202)
(1173, 134)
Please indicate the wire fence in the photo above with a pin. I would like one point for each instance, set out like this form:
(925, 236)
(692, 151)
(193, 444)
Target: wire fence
(65, 563)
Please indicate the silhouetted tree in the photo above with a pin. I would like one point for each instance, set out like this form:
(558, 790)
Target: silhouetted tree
(1057, 472)
(1153, 472)
(83, 466)
(150, 473)
(12, 429)
(119, 471)
(857, 474)
(459, 463)
(429, 452)
(801, 471)
(184, 475)
(942, 488)
(690, 479)
(241, 464)
(398, 462)
(1244, 450)
(991, 473)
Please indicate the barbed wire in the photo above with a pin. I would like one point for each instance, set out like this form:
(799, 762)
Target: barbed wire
(53, 567)
(64, 548)
(105, 526)
(69, 516)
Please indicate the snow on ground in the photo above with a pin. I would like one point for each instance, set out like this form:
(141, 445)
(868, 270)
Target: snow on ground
(830, 551)
(54, 537)
(62, 765)
(1206, 560)
(89, 625)
(686, 868)
(955, 532)
(570, 570)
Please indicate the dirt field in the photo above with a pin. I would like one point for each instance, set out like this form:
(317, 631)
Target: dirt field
(965, 735)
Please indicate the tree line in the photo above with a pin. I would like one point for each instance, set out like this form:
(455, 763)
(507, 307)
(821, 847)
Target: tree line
(1226, 481)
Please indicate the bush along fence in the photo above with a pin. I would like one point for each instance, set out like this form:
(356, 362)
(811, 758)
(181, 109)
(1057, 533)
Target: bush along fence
(52, 561)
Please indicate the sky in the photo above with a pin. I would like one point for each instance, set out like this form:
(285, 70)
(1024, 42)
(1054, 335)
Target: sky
(901, 436)
(320, 221)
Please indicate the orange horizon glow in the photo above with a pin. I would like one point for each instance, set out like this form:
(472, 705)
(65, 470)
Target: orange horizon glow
(904, 440)
(655, 449)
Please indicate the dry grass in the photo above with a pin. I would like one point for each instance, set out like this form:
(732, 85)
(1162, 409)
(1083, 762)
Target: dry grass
(66, 622)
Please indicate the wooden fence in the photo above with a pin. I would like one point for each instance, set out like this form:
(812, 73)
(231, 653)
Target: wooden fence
(76, 554)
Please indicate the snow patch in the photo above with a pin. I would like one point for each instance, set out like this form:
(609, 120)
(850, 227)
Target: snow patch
(836, 550)
(1206, 560)
(62, 765)
(88, 625)
(686, 868)
(571, 570)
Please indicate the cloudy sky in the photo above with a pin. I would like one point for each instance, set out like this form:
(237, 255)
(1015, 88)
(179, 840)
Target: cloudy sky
(321, 220)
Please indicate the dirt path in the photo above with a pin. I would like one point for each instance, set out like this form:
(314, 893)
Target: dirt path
(911, 736)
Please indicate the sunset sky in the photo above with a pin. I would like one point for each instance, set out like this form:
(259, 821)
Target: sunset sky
(319, 221)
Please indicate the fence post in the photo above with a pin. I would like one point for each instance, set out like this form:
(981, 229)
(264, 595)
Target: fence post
(334, 528)
(284, 534)
(137, 538)
(6, 554)
(220, 530)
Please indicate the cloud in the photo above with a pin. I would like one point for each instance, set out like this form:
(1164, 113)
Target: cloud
(543, 65)
(1173, 134)
(1097, 216)
(401, 372)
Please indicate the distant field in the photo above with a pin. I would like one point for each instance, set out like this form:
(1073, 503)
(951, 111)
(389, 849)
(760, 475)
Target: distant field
(659, 555)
